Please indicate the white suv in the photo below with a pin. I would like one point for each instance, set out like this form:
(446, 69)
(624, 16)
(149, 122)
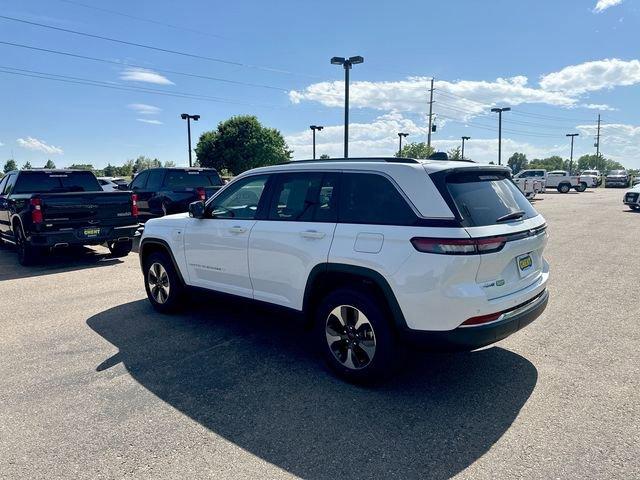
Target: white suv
(376, 253)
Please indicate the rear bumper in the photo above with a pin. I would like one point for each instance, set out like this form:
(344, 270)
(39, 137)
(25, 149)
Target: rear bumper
(74, 237)
(477, 336)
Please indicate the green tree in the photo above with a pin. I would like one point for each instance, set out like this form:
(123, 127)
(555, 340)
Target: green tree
(455, 154)
(81, 166)
(143, 163)
(169, 164)
(27, 166)
(551, 163)
(324, 156)
(49, 164)
(517, 162)
(241, 143)
(110, 170)
(416, 150)
(125, 170)
(10, 165)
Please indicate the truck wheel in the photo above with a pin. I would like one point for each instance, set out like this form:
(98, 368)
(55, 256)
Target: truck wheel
(355, 337)
(564, 188)
(635, 207)
(120, 249)
(27, 254)
(581, 188)
(162, 283)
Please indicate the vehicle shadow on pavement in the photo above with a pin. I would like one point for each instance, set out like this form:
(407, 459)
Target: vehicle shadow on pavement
(251, 376)
(63, 260)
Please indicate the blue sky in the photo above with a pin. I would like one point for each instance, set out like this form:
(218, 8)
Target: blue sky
(557, 64)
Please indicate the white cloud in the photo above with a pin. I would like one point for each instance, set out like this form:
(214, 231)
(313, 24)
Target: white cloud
(602, 5)
(31, 143)
(591, 76)
(144, 75)
(1, 144)
(144, 109)
(598, 106)
(151, 122)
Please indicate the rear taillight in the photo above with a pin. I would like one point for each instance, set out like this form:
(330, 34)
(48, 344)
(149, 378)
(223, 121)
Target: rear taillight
(492, 317)
(36, 210)
(134, 205)
(202, 195)
(458, 246)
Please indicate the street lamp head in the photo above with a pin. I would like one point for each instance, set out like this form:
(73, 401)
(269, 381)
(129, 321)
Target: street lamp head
(355, 60)
(337, 60)
(319, 127)
(573, 134)
(184, 116)
(466, 138)
(506, 109)
(402, 134)
(196, 117)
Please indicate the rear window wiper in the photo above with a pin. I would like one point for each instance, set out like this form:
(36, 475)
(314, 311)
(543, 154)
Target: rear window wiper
(511, 216)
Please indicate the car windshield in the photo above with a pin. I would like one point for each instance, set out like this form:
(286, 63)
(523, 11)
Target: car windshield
(617, 172)
(56, 182)
(192, 179)
(488, 198)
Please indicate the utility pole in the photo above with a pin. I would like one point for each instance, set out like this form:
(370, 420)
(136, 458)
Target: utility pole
(572, 135)
(430, 113)
(499, 112)
(188, 118)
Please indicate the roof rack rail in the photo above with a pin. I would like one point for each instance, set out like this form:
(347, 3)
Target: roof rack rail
(356, 159)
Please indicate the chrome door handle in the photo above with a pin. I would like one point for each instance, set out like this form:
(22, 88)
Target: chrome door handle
(312, 234)
(237, 229)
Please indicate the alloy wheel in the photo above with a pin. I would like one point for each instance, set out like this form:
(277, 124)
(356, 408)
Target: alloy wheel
(158, 281)
(350, 337)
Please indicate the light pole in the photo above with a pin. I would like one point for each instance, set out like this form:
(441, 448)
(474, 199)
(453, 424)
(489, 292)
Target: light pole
(314, 128)
(188, 118)
(347, 63)
(572, 135)
(499, 112)
(463, 139)
(400, 135)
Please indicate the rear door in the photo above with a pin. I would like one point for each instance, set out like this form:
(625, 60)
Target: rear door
(294, 236)
(491, 207)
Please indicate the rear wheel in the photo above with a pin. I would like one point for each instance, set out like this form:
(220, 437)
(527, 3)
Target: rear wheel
(581, 188)
(355, 336)
(120, 249)
(27, 254)
(162, 283)
(564, 188)
(635, 207)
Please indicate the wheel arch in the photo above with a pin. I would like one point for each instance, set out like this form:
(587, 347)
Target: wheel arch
(326, 277)
(17, 219)
(153, 245)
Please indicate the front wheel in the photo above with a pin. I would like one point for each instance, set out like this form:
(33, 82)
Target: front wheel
(355, 336)
(581, 188)
(162, 283)
(564, 188)
(635, 207)
(120, 249)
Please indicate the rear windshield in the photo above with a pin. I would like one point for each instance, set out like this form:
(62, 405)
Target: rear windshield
(488, 198)
(56, 182)
(192, 179)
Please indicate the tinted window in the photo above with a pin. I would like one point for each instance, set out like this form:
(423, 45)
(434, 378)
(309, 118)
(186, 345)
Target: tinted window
(2, 183)
(295, 196)
(56, 182)
(140, 180)
(371, 198)
(191, 179)
(483, 198)
(327, 207)
(11, 180)
(103, 182)
(154, 182)
(240, 200)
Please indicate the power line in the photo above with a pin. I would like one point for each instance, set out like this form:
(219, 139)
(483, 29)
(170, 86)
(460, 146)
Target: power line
(122, 64)
(151, 47)
(142, 19)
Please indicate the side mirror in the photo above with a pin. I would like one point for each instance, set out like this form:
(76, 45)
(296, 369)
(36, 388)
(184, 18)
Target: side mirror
(196, 209)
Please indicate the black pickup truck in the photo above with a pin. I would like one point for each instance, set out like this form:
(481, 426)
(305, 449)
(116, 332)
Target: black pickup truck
(44, 209)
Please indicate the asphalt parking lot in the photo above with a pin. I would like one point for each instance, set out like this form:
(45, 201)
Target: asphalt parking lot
(95, 384)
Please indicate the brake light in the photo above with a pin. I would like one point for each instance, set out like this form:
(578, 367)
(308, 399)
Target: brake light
(134, 205)
(458, 246)
(36, 210)
(482, 319)
(202, 195)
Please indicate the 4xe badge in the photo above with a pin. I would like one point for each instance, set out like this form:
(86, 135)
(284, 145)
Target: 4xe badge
(497, 283)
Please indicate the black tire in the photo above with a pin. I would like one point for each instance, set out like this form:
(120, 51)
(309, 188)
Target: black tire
(564, 188)
(170, 299)
(581, 188)
(27, 254)
(120, 249)
(366, 368)
(635, 207)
